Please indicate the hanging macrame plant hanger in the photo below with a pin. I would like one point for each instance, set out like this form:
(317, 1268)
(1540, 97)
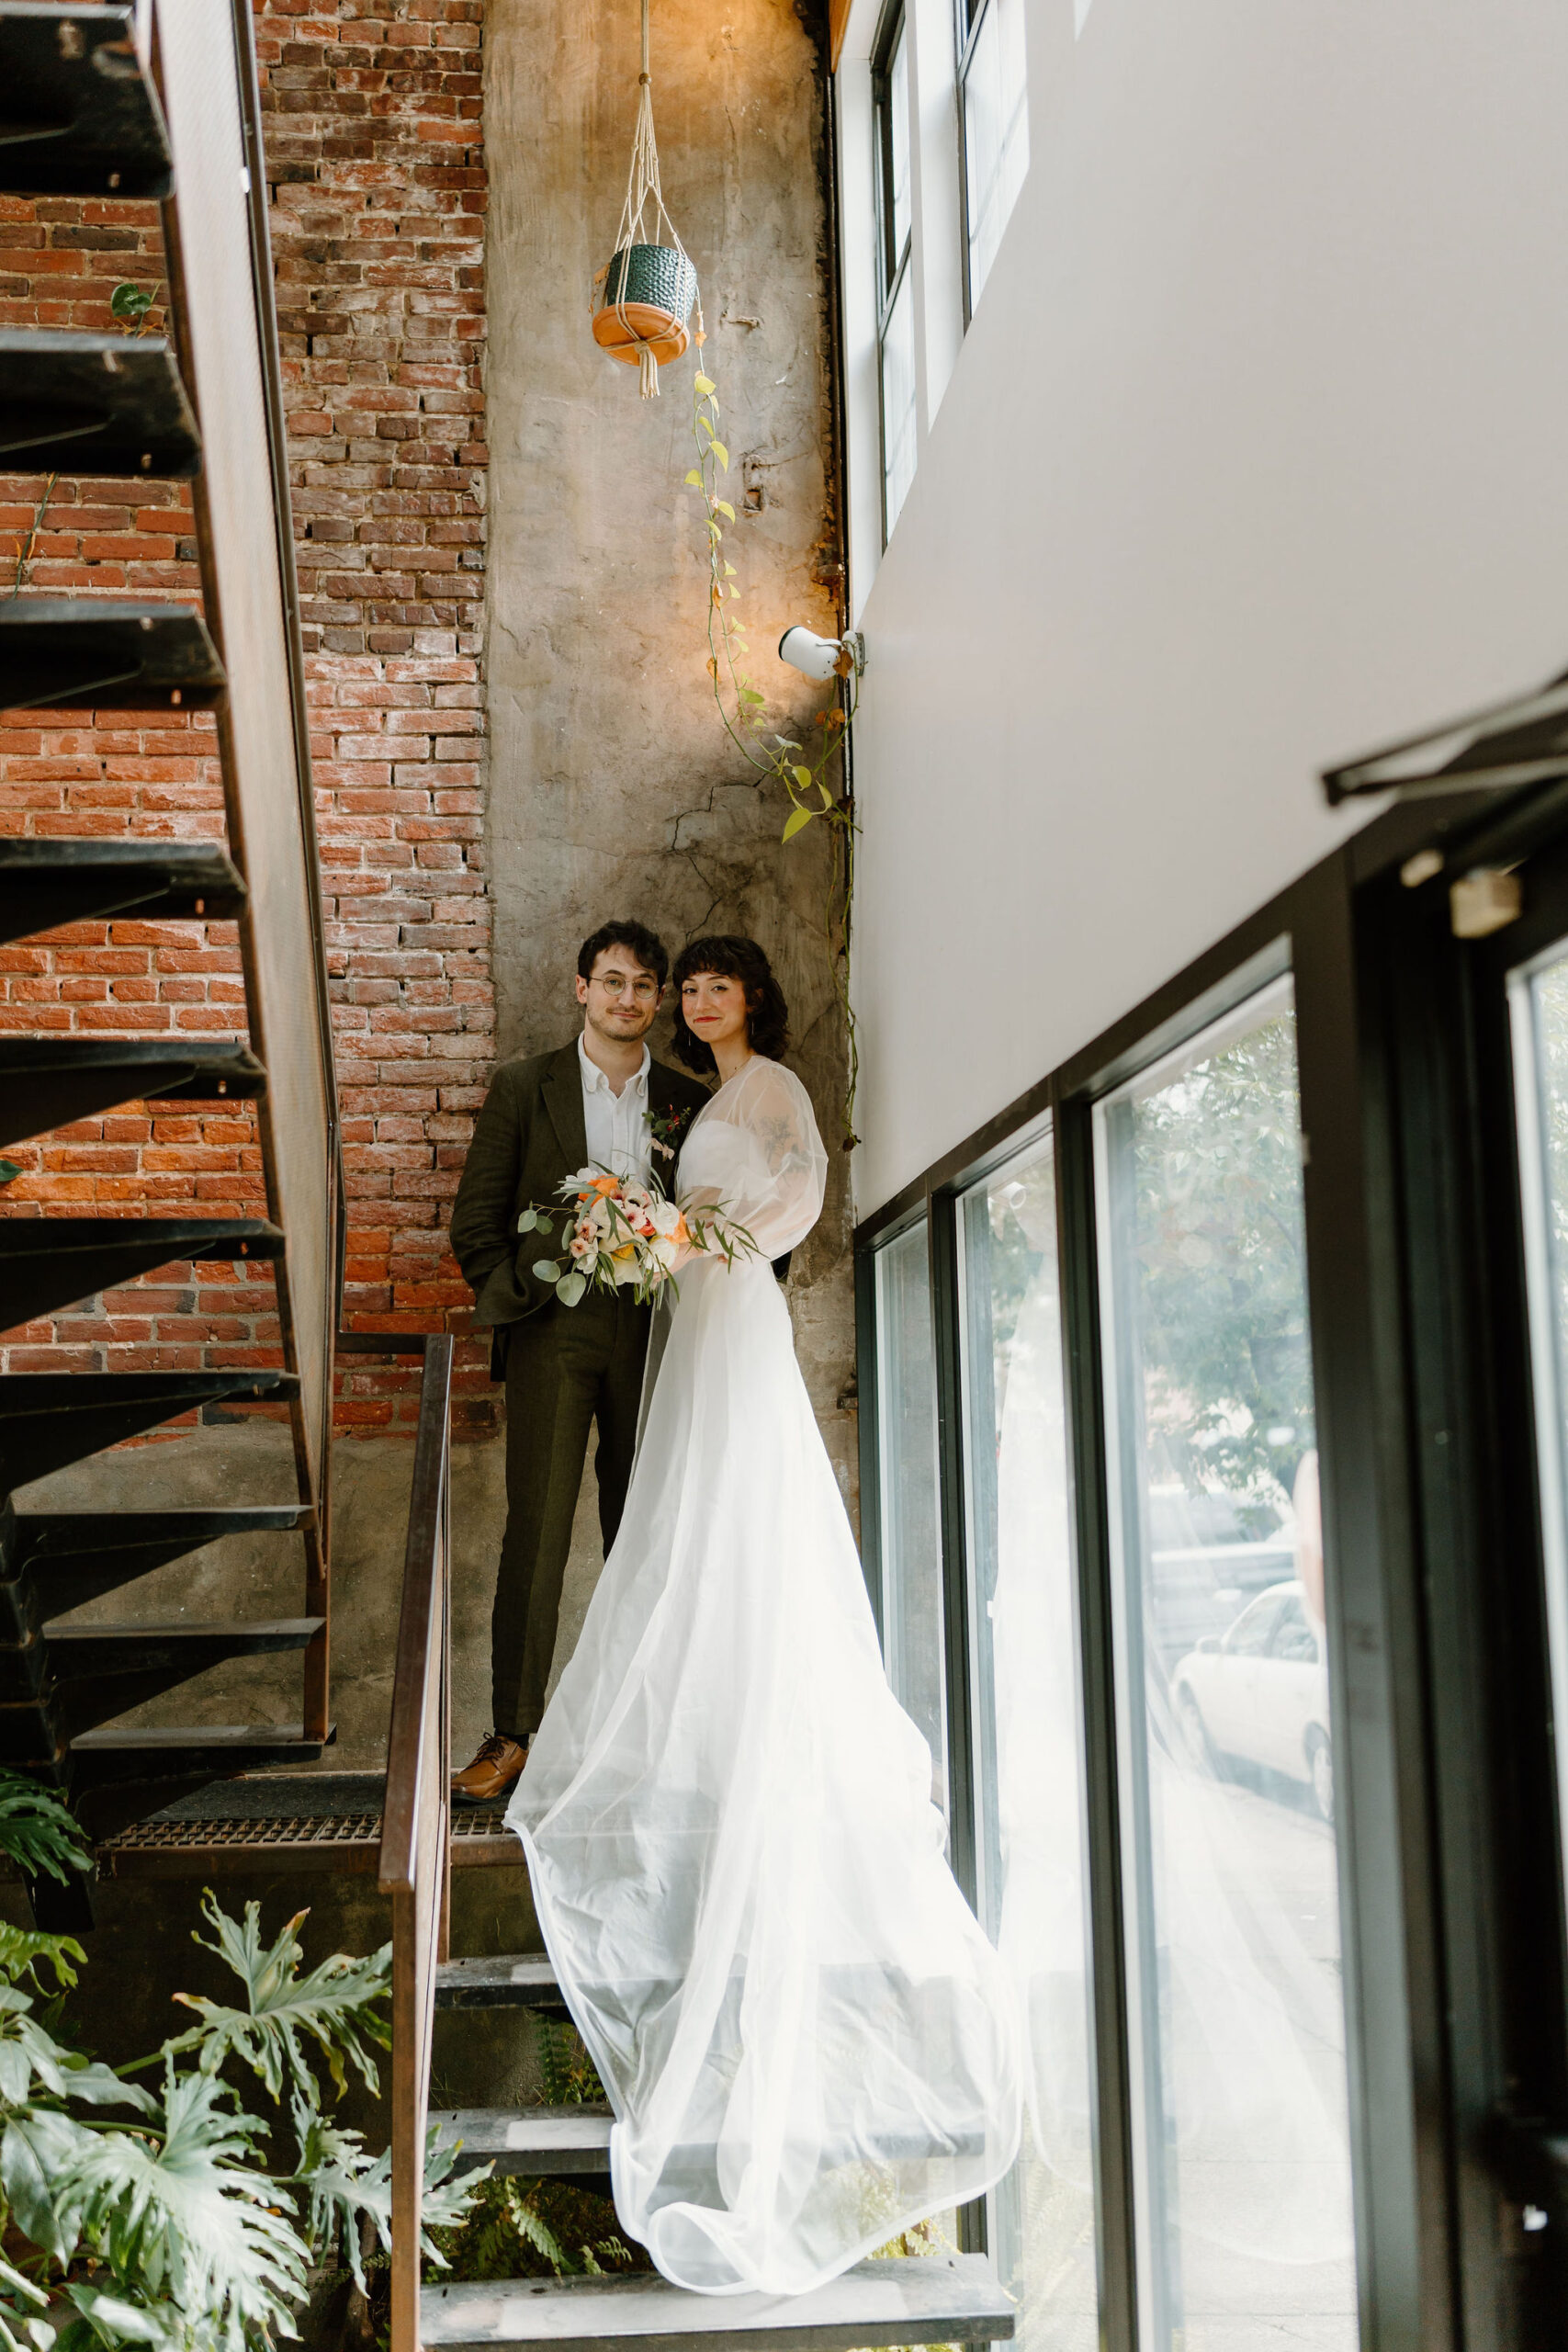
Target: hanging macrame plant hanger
(649, 289)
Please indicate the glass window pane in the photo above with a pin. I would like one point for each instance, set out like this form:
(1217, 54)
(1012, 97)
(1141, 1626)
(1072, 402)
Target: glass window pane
(1539, 1004)
(1028, 1776)
(899, 198)
(910, 1518)
(899, 403)
(1225, 1738)
(996, 132)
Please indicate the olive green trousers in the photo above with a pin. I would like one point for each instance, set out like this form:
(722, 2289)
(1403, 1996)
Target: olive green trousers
(566, 1368)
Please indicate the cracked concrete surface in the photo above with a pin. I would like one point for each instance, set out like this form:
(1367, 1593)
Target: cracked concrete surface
(612, 787)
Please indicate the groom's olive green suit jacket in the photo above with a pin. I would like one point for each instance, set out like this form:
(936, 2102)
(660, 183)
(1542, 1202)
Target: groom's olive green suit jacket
(529, 1138)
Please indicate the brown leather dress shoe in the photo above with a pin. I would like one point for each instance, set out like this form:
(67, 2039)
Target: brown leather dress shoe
(490, 1775)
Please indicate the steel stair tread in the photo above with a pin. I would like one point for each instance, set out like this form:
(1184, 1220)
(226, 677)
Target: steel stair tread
(142, 1738)
(534, 2139)
(92, 652)
(80, 116)
(266, 1633)
(511, 1981)
(911, 2298)
(47, 1082)
(46, 883)
(51, 1261)
(70, 1557)
(71, 1677)
(99, 1761)
(49, 1418)
(109, 407)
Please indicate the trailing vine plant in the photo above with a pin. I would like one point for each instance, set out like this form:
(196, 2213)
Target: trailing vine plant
(776, 758)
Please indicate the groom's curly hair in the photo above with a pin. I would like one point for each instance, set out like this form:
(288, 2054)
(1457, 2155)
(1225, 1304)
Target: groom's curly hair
(767, 1014)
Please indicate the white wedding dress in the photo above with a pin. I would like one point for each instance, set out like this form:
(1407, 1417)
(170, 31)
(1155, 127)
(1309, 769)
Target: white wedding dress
(807, 2042)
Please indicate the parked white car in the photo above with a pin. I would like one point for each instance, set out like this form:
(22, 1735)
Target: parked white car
(1260, 1693)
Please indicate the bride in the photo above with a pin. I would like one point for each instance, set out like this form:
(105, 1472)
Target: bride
(807, 2040)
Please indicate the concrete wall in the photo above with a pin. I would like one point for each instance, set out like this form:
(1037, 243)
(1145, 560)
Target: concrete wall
(612, 787)
(1251, 457)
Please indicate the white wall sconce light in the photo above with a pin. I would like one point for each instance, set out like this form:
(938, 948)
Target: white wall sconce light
(821, 657)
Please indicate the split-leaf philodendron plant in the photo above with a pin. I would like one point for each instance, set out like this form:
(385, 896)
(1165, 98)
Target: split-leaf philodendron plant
(772, 756)
(149, 2216)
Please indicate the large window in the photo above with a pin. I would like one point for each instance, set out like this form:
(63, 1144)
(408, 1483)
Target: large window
(1223, 1490)
(1225, 1734)
(895, 277)
(909, 1499)
(993, 112)
(1028, 1784)
(1538, 1004)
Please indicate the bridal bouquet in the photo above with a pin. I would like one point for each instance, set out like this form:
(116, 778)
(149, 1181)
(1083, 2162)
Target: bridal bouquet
(618, 1234)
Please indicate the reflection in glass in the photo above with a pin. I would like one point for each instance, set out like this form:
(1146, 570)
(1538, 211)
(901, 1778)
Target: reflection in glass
(910, 1521)
(1225, 1753)
(1028, 1779)
(996, 132)
(1539, 1004)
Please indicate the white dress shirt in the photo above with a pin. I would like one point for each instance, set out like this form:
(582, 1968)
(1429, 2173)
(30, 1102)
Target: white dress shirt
(616, 1125)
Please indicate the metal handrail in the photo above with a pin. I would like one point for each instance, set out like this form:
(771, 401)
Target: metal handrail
(415, 1866)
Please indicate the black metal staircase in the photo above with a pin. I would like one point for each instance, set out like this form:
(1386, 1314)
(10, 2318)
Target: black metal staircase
(85, 113)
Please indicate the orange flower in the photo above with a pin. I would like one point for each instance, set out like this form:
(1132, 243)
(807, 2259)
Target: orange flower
(602, 1184)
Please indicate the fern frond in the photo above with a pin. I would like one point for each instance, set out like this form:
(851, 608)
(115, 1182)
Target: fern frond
(535, 2231)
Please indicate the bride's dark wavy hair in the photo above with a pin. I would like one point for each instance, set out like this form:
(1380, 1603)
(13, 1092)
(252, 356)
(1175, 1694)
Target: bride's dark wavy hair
(767, 1014)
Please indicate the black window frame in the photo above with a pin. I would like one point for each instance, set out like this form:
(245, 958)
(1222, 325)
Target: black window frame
(967, 24)
(1450, 1863)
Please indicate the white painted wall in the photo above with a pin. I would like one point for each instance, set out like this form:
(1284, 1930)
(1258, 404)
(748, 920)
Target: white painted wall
(1256, 454)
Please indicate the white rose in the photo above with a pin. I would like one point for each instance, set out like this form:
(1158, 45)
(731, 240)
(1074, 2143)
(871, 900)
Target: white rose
(664, 1216)
(664, 1254)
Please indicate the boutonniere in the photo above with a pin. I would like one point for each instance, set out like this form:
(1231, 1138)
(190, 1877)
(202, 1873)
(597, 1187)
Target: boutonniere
(666, 1127)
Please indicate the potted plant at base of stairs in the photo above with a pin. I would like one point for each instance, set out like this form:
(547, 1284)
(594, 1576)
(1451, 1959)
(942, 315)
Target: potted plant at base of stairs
(142, 2215)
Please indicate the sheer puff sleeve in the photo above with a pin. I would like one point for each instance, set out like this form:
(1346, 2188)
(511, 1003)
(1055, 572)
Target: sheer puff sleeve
(756, 1156)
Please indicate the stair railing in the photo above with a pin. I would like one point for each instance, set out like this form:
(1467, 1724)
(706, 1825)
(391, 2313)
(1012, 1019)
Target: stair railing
(415, 1868)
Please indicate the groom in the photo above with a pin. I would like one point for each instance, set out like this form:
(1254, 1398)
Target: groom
(600, 1101)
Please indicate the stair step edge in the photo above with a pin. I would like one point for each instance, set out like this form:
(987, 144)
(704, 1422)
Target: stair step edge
(887, 2300)
(510, 1980)
(195, 1629)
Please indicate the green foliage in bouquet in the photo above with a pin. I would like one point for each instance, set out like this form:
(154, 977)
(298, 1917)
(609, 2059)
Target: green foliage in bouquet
(618, 1233)
(161, 2226)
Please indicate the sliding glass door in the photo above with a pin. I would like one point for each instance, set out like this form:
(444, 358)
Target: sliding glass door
(1225, 1730)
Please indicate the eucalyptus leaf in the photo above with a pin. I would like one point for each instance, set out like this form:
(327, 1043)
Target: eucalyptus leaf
(545, 1270)
(527, 1220)
(570, 1287)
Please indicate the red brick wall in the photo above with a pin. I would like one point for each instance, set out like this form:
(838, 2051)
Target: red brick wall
(376, 166)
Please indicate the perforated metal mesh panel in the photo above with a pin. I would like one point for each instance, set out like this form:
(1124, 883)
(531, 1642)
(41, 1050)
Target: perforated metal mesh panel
(268, 829)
